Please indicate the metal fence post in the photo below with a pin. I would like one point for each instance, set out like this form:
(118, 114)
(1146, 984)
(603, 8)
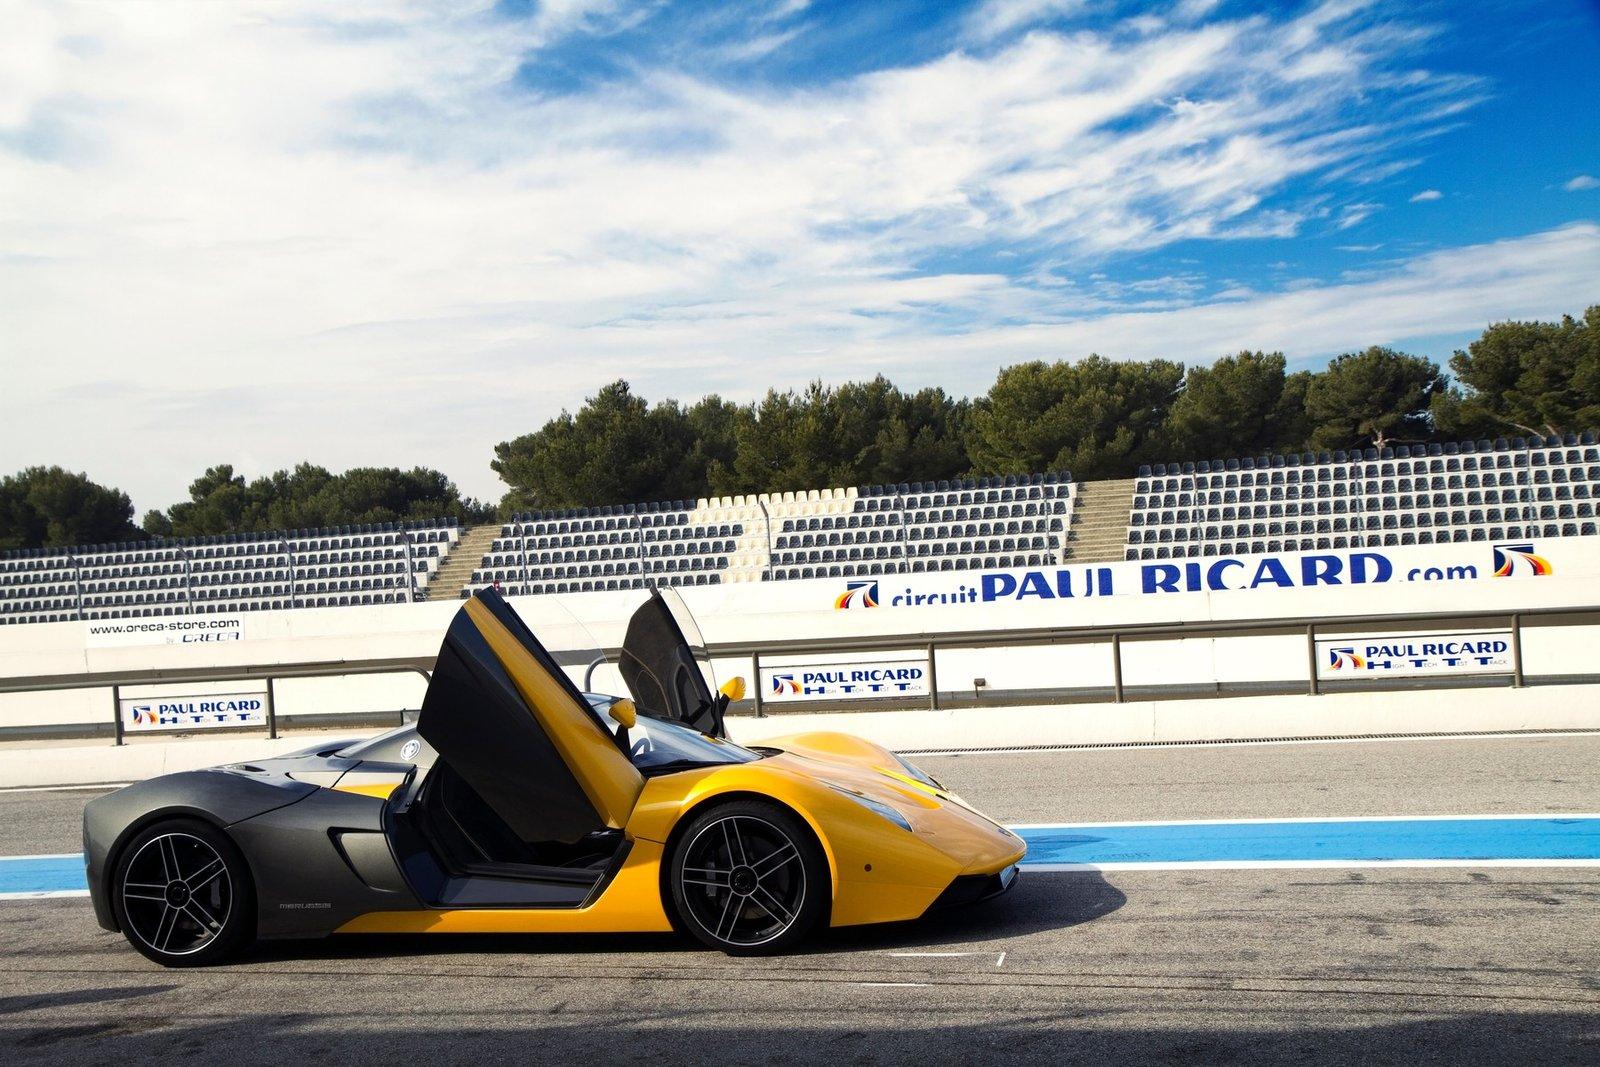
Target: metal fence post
(1517, 680)
(766, 519)
(272, 713)
(188, 578)
(288, 561)
(77, 582)
(1116, 668)
(933, 678)
(755, 682)
(116, 714)
(1311, 658)
(411, 568)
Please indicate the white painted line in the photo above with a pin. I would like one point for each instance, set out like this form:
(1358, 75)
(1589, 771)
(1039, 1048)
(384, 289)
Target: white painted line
(47, 856)
(62, 788)
(1132, 746)
(919, 955)
(896, 985)
(1001, 962)
(45, 893)
(1303, 819)
(1290, 865)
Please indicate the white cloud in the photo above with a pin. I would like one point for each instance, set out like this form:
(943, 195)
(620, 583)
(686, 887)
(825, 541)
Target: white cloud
(1355, 214)
(1426, 195)
(288, 230)
(1541, 276)
(996, 18)
(1581, 183)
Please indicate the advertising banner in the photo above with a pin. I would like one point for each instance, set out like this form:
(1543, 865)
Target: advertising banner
(850, 679)
(1414, 655)
(183, 711)
(168, 630)
(1472, 561)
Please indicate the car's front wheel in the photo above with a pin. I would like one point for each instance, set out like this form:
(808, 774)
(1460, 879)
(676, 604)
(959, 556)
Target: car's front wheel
(182, 894)
(749, 878)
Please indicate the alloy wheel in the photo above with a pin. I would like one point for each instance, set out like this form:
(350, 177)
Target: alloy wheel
(743, 880)
(177, 893)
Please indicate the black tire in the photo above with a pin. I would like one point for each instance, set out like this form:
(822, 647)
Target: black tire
(182, 894)
(748, 878)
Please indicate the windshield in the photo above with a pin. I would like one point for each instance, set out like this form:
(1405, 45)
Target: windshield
(658, 745)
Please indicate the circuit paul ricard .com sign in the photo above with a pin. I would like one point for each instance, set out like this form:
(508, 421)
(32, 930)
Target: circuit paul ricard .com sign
(987, 590)
(1415, 655)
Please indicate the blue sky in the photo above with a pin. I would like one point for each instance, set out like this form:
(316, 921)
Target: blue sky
(260, 232)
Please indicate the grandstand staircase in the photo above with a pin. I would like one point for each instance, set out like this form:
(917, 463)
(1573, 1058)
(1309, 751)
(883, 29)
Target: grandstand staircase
(1099, 530)
(455, 572)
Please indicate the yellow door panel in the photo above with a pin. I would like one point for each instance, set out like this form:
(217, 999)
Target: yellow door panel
(610, 781)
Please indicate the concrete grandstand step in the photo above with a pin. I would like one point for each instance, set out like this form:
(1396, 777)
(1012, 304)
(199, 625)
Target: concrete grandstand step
(455, 571)
(1100, 520)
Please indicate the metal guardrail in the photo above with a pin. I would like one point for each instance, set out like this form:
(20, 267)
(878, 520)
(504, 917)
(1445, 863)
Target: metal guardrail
(117, 681)
(1114, 636)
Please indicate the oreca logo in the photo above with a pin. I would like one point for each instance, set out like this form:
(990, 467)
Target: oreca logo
(1512, 560)
(858, 595)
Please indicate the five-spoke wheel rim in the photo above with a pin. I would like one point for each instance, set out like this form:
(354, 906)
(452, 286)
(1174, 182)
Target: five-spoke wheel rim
(177, 894)
(743, 880)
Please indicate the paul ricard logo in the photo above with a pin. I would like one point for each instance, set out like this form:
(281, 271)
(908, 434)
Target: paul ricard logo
(1340, 659)
(142, 715)
(784, 685)
(862, 594)
(1512, 561)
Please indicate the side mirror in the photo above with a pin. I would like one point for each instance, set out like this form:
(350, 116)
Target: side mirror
(624, 712)
(733, 688)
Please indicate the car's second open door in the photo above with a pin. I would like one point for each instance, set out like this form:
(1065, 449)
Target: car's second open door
(662, 671)
(507, 719)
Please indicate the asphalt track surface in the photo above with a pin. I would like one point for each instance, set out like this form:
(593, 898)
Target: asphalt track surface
(1360, 965)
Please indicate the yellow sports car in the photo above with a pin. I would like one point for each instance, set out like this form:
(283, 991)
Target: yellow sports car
(518, 803)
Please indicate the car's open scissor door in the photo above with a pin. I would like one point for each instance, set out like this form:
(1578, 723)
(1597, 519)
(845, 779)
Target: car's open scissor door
(662, 671)
(507, 719)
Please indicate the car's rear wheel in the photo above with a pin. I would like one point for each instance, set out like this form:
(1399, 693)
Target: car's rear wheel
(749, 878)
(183, 894)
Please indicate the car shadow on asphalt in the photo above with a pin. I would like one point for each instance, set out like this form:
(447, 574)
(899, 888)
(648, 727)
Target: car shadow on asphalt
(1040, 900)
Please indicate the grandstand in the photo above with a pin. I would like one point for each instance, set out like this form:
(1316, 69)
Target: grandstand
(385, 563)
(1405, 495)
(960, 525)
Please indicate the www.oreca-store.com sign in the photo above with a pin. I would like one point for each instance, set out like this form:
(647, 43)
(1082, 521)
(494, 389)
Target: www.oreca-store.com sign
(211, 711)
(853, 680)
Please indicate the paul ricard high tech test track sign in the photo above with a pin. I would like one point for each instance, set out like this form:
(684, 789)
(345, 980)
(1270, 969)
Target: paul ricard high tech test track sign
(852, 679)
(1414, 655)
(181, 711)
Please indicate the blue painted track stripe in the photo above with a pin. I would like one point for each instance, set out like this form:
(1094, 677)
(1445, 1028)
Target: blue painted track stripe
(1533, 839)
(41, 874)
(1317, 840)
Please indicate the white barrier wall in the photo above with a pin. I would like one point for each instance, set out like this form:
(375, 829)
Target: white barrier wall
(1467, 577)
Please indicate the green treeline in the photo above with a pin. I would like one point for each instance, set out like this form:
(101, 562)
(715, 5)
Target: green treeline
(1096, 417)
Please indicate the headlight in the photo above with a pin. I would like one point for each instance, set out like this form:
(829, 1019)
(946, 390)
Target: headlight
(878, 808)
(913, 771)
